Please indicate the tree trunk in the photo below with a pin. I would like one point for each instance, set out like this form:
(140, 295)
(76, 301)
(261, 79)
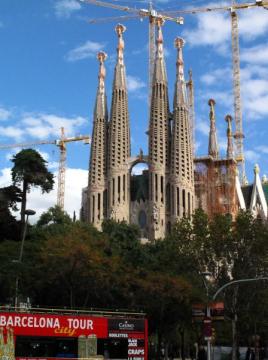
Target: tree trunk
(166, 350)
(182, 344)
(234, 337)
(159, 345)
(23, 206)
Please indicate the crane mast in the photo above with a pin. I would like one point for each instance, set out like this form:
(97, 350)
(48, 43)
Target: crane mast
(62, 169)
(239, 136)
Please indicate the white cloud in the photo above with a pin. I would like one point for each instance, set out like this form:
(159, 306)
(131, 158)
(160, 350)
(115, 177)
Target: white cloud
(256, 55)
(4, 114)
(12, 132)
(251, 156)
(134, 83)
(213, 76)
(202, 127)
(42, 126)
(87, 50)
(253, 23)
(222, 97)
(5, 177)
(254, 89)
(64, 8)
(214, 28)
(263, 149)
(75, 180)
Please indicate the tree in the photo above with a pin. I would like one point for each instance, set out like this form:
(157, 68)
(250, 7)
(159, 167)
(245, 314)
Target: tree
(9, 196)
(54, 215)
(30, 170)
(229, 250)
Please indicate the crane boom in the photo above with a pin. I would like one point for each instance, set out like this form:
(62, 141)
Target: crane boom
(112, 18)
(241, 6)
(110, 5)
(23, 145)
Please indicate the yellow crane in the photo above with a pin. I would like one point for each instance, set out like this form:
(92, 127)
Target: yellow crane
(176, 15)
(61, 143)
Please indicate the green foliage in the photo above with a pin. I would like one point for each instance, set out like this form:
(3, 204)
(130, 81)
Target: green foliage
(72, 264)
(54, 215)
(123, 239)
(9, 228)
(30, 170)
(9, 197)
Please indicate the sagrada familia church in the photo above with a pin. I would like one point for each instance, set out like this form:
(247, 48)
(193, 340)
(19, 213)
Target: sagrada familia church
(175, 183)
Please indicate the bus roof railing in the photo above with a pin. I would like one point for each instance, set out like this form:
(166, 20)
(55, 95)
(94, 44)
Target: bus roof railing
(66, 311)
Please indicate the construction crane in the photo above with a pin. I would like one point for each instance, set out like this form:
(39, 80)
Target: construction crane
(238, 135)
(151, 13)
(61, 143)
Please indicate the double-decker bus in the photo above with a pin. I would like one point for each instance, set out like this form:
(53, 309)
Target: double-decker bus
(43, 334)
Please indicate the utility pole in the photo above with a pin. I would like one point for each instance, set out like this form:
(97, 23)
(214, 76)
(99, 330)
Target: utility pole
(19, 261)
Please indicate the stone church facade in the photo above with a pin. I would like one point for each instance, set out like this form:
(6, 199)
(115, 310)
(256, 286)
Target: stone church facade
(164, 192)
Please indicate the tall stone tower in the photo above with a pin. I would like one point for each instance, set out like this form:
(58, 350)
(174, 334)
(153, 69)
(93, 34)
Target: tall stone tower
(213, 150)
(97, 199)
(163, 193)
(119, 140)
(158, 142)
(181, 164)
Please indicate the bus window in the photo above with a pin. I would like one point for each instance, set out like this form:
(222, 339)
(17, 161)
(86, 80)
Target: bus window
(46, 347)
(66, 348)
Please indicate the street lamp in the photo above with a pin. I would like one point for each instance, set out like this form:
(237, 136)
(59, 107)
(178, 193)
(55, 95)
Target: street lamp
(205, 275)
(28, 213)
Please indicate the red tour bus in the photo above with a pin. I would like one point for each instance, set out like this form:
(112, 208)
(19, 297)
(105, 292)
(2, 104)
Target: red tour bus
(43, 334)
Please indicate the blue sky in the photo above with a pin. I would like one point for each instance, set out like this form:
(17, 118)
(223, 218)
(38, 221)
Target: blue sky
(48, 72)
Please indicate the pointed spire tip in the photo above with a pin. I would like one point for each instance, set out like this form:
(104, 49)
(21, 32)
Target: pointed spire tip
(102, 56)
(211, 102)
(120, 29)
(179, 43)
(228, 118)
(256, 169)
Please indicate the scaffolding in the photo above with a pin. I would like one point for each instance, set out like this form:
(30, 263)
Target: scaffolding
(215, 186)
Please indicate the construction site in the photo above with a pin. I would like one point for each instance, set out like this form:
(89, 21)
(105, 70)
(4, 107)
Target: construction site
(176, 181)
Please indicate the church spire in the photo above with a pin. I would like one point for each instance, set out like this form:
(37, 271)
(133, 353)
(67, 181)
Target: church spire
(180, 98)
(101, 102)
(119, 139)
(181, 166)
(97, 171)
(213, 143)
(120, 72)
(160, 74)
(158, 140)
(230, 150)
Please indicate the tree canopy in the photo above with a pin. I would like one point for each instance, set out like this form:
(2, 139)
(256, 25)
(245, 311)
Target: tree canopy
(71, 264)
(30, 170)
